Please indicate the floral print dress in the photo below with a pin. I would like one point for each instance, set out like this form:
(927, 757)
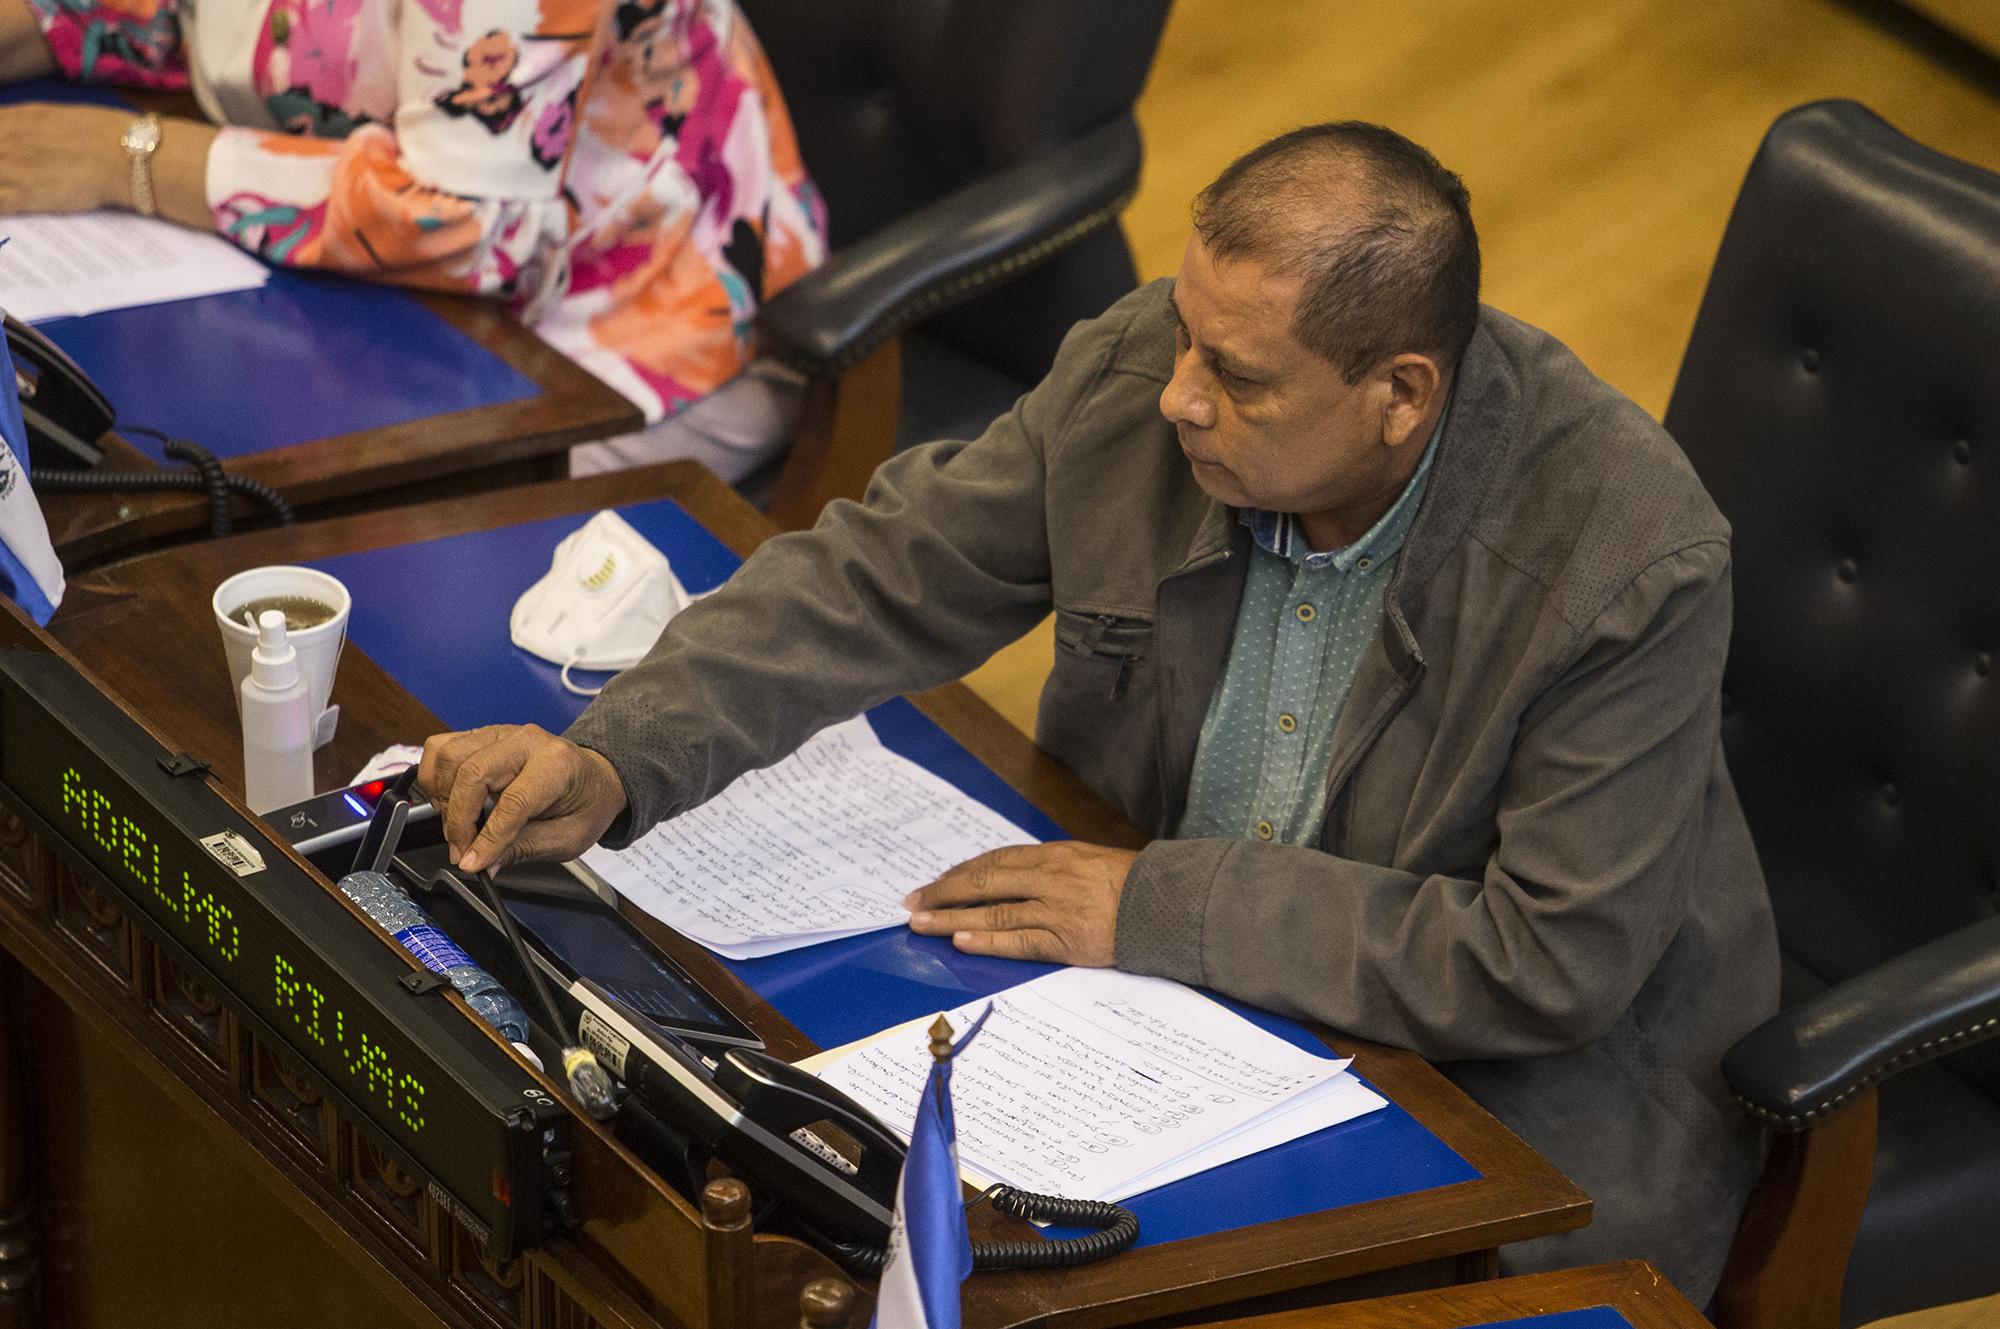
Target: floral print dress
(622, 172)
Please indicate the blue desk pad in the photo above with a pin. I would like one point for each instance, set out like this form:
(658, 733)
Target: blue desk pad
(304, 357)
(61, 90)
(434, 616)
(1590, 1317)
(308, 356)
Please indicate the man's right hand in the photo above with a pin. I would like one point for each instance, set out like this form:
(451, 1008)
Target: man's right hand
(551, 798)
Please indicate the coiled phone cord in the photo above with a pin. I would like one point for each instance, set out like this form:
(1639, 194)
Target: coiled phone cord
(208, 476)
(1118, 1229)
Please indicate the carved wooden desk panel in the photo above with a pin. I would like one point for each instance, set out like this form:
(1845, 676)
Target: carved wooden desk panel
(299, 1192)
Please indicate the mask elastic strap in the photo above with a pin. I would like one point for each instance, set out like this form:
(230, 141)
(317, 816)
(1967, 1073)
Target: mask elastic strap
(577, 688)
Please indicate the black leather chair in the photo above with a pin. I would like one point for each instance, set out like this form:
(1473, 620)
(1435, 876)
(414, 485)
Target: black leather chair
(974, 157)
(1841, 400)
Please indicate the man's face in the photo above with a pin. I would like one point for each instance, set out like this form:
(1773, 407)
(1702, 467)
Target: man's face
(1266, 423)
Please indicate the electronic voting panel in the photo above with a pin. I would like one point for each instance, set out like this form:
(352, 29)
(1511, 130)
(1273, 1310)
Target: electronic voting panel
(424, 1079)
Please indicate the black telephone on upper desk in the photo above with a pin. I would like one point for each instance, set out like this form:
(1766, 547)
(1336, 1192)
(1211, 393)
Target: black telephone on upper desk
(66, 414)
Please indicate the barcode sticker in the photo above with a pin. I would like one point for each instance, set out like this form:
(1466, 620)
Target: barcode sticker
(233, 852)
(606, 1042)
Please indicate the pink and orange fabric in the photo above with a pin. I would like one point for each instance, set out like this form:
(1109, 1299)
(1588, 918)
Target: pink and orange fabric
(622, 172)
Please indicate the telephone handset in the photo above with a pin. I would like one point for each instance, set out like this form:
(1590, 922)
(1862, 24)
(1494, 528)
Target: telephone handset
(753, 1112)
(66, 414)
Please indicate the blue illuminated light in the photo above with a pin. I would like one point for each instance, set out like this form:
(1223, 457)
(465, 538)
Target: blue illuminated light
(360, 810)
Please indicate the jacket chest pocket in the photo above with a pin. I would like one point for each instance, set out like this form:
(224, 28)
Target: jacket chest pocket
(1099, 652)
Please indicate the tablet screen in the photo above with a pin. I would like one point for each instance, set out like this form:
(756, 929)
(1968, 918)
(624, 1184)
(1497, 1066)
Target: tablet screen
(590, 941)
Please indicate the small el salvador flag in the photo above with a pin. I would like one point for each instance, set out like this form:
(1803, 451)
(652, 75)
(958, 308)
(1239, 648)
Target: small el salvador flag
(29, 572)
(930, 1249)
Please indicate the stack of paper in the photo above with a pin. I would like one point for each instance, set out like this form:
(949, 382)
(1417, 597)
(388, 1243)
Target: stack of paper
(824, 844)
(1098, 1085)
(52, 266)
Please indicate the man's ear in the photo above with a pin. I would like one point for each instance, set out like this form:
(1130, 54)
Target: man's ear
(1414, 382)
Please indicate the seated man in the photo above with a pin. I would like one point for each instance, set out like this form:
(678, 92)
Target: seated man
(1399, 628)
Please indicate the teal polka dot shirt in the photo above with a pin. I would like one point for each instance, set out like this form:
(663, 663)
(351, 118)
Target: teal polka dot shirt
(1306, 619)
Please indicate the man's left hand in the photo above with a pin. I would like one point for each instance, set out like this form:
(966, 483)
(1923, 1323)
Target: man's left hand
(1055, 902)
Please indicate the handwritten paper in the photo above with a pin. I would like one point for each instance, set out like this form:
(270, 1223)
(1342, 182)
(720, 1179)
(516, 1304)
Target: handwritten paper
(1341, 1098)
(1096, 1084)
(57, 265)
(824, 844)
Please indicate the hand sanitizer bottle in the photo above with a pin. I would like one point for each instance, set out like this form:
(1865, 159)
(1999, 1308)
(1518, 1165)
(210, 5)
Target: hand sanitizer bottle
(277, 722)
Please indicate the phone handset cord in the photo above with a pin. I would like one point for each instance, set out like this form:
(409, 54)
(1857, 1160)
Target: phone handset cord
(208, 476)
(1118, 1228)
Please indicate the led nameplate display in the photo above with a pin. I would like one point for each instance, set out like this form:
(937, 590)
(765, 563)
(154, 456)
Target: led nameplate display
(187, 897)
(243, 918)
(153, 867)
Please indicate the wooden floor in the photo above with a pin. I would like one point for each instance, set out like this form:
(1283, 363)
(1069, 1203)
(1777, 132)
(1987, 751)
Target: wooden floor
(1603, 144)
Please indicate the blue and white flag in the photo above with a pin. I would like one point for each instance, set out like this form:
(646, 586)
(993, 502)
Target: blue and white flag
(930, 1249)
(29, 572)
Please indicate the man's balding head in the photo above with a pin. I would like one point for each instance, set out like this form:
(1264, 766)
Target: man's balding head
(1378, 232)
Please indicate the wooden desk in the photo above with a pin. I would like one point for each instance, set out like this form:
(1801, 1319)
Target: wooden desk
(1634, 1289)
(111, 1066)
(456, 453)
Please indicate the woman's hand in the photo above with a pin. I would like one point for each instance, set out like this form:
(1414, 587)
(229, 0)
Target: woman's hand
(59, 158)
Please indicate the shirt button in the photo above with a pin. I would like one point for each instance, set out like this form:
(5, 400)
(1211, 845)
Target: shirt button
(1364, 563)
(1265, 830)
(1287, 723)
(1307, 613)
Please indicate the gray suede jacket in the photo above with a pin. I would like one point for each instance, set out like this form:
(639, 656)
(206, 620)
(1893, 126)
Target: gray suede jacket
(1533, 869)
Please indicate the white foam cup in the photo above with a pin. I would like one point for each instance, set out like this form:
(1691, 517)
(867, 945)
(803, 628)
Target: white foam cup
(318, 646)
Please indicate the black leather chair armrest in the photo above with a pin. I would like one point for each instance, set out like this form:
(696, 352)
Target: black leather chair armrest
(950, 251)
(1811, 1059)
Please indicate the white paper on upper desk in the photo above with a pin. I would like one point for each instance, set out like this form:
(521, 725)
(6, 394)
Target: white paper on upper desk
(1085, 1081)
(824, 844)
(82, 263)
(1342, 1098)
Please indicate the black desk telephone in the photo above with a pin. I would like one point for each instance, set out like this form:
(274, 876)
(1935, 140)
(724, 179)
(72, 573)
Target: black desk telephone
(64, 411)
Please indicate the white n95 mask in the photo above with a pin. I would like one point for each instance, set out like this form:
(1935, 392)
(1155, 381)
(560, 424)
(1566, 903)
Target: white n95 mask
(602, 604)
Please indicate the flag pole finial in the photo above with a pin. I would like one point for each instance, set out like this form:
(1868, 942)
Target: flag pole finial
(941, 1039)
